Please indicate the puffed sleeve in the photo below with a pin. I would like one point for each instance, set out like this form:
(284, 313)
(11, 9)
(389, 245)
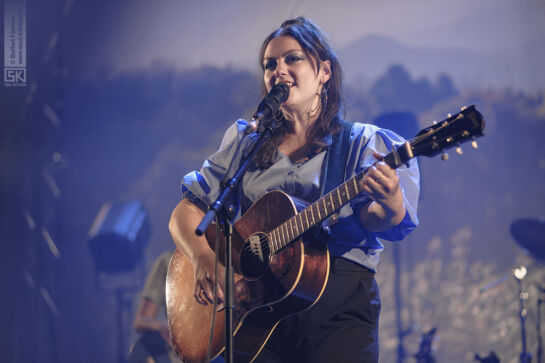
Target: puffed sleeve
(202, 187)
(383, 141)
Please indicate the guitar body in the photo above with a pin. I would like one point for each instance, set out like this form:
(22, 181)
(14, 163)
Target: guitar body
(268, 287)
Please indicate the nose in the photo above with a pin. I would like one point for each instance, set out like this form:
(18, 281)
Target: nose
(281, 69)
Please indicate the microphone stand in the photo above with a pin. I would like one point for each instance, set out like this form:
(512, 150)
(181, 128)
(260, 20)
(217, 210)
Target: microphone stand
(217, 209)
(538, 325)
(520, 273)
(539, 339)
(401, 332)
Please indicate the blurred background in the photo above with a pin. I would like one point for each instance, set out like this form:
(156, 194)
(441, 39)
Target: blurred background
(123, 98)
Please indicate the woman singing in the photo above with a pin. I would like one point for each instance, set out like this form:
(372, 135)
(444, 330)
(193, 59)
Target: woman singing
(343, 325)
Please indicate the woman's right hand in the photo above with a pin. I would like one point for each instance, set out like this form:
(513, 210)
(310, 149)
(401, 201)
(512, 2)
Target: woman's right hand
(183, 222)
(203, 265)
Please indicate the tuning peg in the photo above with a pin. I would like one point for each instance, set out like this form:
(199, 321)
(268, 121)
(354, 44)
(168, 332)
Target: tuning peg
(459, 150)
(444, 156)
(434, 122)
(449, 115)
(474, 143)
(463, 108)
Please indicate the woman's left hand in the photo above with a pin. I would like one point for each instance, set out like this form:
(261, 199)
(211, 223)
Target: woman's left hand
(381, 184)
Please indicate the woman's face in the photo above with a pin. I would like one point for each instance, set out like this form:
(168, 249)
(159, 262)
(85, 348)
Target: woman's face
(285, 61)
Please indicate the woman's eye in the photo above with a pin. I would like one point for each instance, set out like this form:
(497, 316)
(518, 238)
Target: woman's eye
(270, 64)
(292, 58)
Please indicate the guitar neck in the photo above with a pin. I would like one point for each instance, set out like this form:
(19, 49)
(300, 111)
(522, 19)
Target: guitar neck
(463, 126)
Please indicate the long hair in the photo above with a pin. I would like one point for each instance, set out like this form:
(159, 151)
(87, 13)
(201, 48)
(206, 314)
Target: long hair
(315, 45)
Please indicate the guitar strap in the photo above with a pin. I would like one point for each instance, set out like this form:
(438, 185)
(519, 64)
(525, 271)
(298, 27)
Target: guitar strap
(333, 174)
(337, 154)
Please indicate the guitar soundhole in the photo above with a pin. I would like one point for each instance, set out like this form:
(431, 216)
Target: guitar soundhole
(254, 256)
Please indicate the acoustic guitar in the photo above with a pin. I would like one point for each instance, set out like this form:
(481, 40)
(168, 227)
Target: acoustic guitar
(278, 270)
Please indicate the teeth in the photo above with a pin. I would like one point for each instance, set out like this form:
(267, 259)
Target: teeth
(289, 84)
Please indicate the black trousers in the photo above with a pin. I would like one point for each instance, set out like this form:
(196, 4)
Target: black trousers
(342, 327)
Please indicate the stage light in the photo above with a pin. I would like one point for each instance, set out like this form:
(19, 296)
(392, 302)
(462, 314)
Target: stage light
(118, 236)
(520, 272)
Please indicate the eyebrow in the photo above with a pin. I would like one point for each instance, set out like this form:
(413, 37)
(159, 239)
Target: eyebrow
(285, 53)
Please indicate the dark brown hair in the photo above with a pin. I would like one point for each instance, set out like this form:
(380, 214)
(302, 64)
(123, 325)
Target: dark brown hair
(315, 45)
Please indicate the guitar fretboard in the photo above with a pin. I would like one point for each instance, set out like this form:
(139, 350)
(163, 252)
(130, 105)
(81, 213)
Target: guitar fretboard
(318, 211)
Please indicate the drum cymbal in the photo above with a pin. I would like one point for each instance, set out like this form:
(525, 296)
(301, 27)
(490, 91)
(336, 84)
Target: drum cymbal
(530, 234)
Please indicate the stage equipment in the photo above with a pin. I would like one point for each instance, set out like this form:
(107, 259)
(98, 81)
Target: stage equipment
(520, 273)
(541, 290)
(224, 212)
(117, 239)
(270, 105)
(491, 358)
(424, 354)
(529, 233)
(118, 236)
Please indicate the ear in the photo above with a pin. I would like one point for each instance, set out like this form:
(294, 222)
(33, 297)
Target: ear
(325, 71)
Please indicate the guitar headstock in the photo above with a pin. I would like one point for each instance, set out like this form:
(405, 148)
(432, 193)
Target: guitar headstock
(466, 125)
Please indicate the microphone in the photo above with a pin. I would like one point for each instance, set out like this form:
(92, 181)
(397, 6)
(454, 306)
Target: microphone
(271, 103)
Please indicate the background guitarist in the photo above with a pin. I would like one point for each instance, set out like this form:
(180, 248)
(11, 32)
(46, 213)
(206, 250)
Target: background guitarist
(343, 325)
(150, 318)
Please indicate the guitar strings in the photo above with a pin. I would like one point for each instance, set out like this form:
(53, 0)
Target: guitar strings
(322, 208)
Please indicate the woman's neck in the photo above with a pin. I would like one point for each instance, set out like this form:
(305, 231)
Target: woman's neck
(303, 117)
(301, 122)
(295, 141)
